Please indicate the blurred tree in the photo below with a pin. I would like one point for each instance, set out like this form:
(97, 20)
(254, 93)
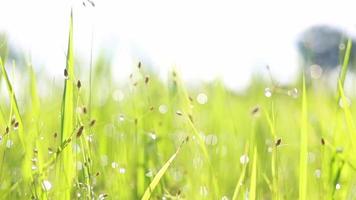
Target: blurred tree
(324, 46)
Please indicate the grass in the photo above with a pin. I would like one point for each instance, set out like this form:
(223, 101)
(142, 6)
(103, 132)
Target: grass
(92, 138)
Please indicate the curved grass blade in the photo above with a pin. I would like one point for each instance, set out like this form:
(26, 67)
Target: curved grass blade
(159, 175)
(67, 121)
(241, 178)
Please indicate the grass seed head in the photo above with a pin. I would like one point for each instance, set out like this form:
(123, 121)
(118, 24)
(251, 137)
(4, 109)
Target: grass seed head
(65, 73)
(255, 111)
(322, 141)
(80, 131)
(92, 122)
(84, 110)
(278, 142)
(147, 79)
(179, 113)
(7, 129)
(16, 125)
(79, 84)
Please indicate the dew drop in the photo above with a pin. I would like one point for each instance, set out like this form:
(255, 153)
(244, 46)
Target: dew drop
(162, 109)
(202, 98)
(122, 170)
(9, 144)
(114, 165)
(244, 159)
(293, 92)
(149, 173)
(316, 71)
(121, 118)
(79, 165)
(268, 92)
(338, 186)
(224, 198)
(46, 185)
(317, 173)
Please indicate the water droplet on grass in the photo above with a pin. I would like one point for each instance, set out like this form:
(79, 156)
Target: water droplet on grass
(224, 198)
(79, 165)
(293, 92)
(152, 136)
(317, 173)
(202, 98)
(268, 92)
(244, 159)
(114, 165)
(9, 144)
(338, 186)
(46, 185)
(122, 170)
(121, 118)
(162, 109)
(342, 103)
(316, 71)
(149, 173)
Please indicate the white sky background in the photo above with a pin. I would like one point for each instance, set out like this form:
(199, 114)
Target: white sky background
(202, 39)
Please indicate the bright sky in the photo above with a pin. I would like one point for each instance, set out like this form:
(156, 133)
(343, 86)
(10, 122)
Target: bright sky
(202, 39)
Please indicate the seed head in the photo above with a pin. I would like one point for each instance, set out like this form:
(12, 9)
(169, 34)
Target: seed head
(65, 73)
(79, 84)
(278, 142)
(80, 131)
(255, 110)
(147, 78)
(322, 141)
(84, 110)
(16, 125)
(92, 122)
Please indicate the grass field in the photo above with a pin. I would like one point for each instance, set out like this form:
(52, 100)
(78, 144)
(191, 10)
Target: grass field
(90, 138)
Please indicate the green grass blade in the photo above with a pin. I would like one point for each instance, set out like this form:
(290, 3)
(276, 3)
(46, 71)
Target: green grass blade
(241, 179)
(345, 64)
(253, 183)
(12, 99)
(67, 120)
(159, 175)
(303, 147)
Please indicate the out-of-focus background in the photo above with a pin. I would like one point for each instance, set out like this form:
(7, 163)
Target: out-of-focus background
(204, 40)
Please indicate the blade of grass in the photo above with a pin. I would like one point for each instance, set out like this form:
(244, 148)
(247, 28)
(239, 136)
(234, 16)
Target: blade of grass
(13, 102)
(253, 183)
(159, 175)
(303, 147)
(241, 178)
(348, 116)
(67, 120)
(345, 64)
